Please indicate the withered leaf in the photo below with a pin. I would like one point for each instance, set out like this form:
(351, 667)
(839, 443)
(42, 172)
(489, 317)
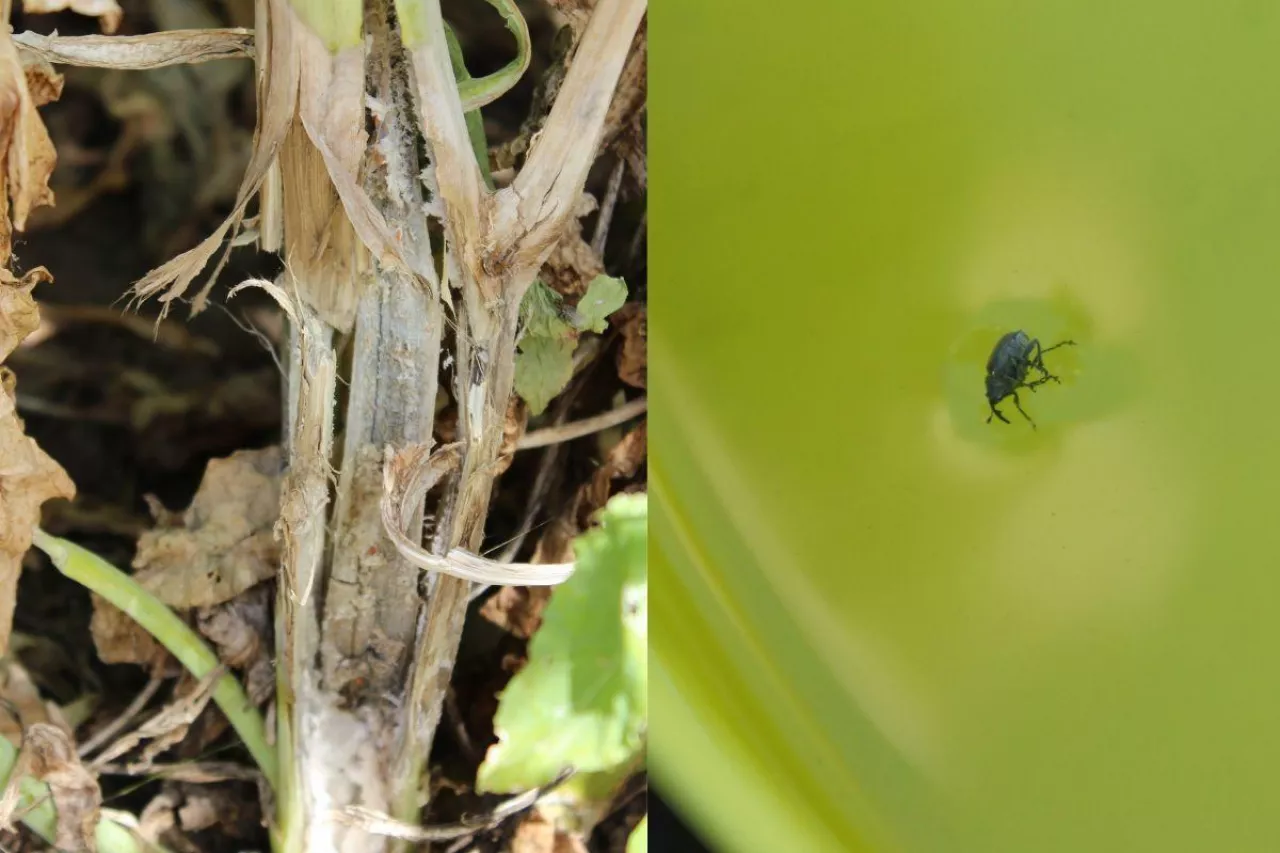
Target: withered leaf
(238, 628)
(226, 543)
(26, 152)
(572, 264)
(517, 609)
(221, 546)
(513, 428)
(537, 834)
(118, 638)
(44, 84)
(28, 478)
(19, 316)
(170, 724)
(108, 12)
(622, 462)
(633, 356)
(49, 754)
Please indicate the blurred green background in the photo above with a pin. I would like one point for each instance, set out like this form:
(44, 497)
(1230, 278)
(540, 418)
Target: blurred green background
(880, 623)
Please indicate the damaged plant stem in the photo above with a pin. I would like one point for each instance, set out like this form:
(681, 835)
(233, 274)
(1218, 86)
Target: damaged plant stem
(497, 242)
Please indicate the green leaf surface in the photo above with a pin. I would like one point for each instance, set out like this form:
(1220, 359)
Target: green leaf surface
(543, 367)
(639, 840)
(581, 700)
(542, 312)
(604, 295)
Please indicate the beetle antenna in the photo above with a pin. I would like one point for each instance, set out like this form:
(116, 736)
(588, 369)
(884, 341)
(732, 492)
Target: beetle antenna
(1044, 350)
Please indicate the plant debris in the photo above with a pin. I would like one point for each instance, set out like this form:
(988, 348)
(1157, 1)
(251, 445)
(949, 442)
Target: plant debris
(108, 12)
(49, 755)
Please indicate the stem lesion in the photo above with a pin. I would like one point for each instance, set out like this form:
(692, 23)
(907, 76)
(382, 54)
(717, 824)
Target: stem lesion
(497, 241)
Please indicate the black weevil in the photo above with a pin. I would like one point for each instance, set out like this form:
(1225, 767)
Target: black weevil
(1014, 355)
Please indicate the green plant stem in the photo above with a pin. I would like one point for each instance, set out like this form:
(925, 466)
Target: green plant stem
(479, 91)
(88, 569)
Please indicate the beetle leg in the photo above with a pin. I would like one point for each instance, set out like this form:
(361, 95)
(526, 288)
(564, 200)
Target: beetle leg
(1024, 414)
(1038, 361)
(996, 412)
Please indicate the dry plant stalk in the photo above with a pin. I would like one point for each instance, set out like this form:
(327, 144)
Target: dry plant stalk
(139, 53)
(372, 599)
(497, 241)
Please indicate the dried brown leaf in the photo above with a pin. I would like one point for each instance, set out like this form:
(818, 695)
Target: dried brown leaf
(118, 638)
(517, 609)
(572, 264)
(537, 834)
(44, 84)
(204, 809)
(221, 546)
(575, 12)
(238, 628)
(622, 462)
(26, 152)
(631, 145)
(512, 431)
(192, 807)
(49, 755)
(28, 478)
(108, 12)
(19, 314)
(158, 822)
(169, 725)
(633, 356)
(225, 544)
(556, 542)
(159, 816)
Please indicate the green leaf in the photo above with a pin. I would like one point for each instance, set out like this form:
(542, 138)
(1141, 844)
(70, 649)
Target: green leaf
(639, 840)
(543, 367)
(604, 295)
(581, 700)
(542, 313)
